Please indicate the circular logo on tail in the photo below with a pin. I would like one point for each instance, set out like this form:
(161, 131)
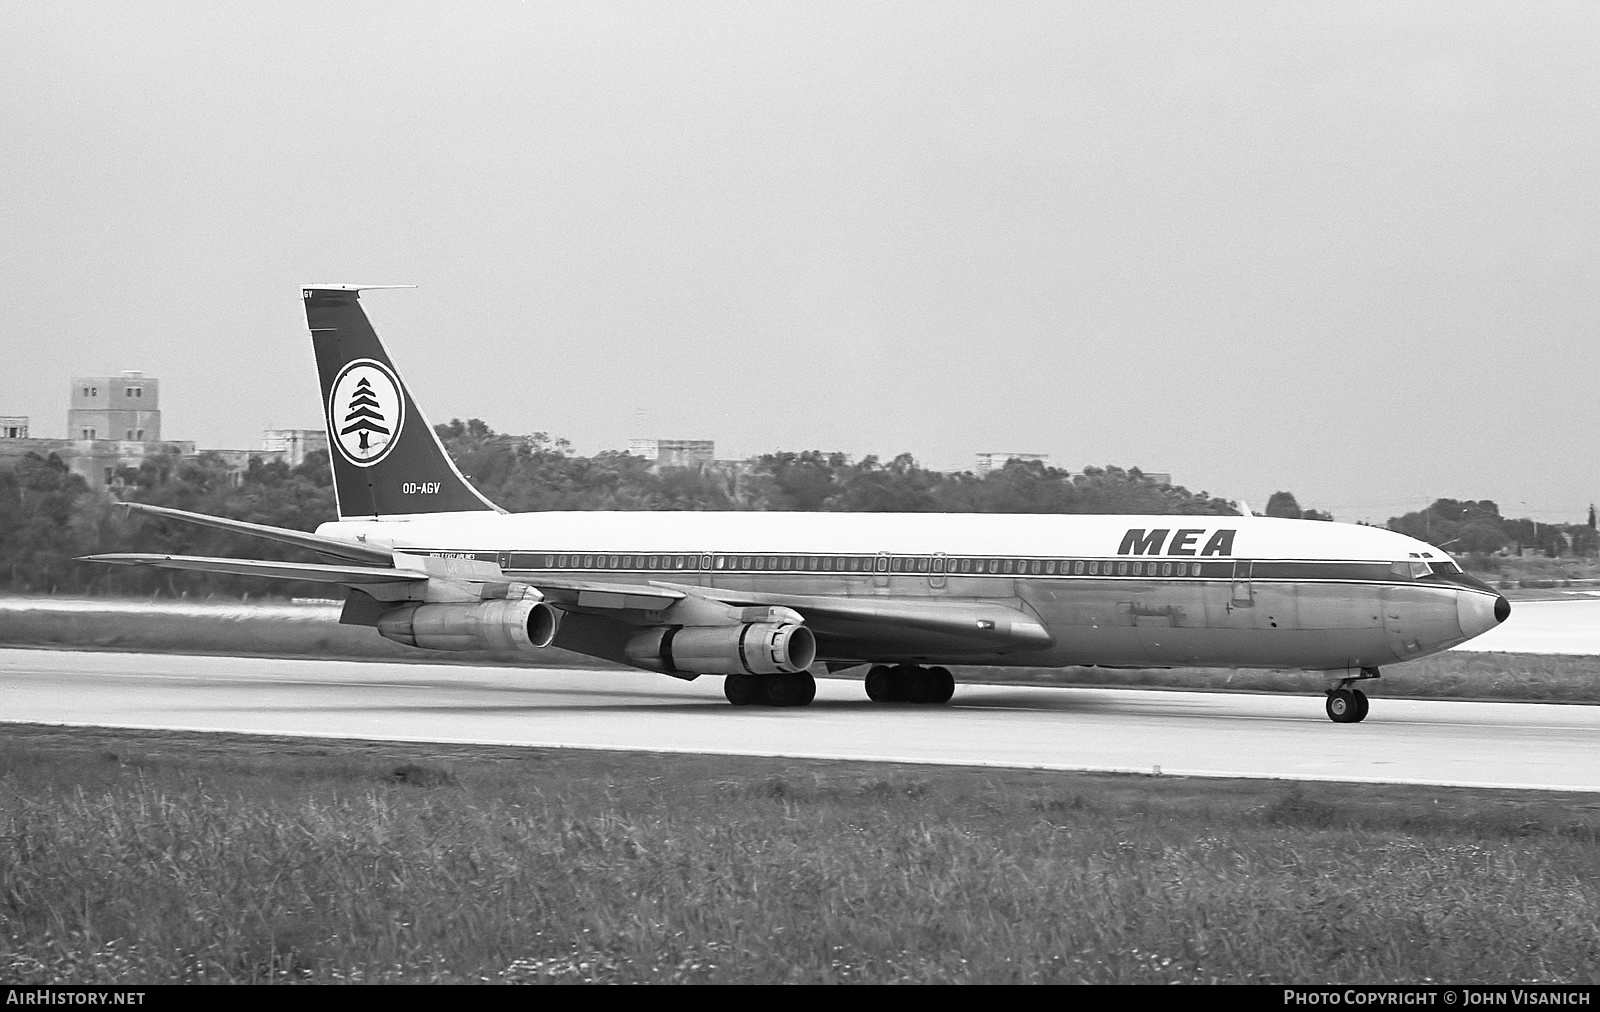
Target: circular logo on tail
(365, 412)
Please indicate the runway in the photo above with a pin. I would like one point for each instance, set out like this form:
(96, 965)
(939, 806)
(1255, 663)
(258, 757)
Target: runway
(1511, 745)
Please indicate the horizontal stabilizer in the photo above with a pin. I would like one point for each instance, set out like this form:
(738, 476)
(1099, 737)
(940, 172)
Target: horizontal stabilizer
(349, 551)
(256, 567)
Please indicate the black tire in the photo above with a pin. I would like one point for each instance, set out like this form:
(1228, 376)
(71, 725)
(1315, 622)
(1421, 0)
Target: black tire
(1362, 705)
(1342, 706)
(881, 684)
(943, 685)
(907, 680)
(805, 688)
(740, 690)
(776, 690)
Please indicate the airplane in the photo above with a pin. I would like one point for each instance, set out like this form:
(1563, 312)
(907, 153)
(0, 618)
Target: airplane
(769, 599)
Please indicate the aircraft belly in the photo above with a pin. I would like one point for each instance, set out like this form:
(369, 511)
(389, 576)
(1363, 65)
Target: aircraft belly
(1132, 624)
(1279, 625)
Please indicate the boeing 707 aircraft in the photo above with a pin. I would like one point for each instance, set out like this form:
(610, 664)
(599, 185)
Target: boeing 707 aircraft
(767, 599)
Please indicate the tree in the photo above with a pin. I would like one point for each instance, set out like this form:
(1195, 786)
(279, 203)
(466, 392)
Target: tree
(1283, 504)
(39, 498)
(800, 481)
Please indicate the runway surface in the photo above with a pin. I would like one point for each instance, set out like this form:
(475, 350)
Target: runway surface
(1515, 745)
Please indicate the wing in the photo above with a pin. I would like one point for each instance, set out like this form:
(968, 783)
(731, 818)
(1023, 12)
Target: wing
(312, 572)
(870, 627)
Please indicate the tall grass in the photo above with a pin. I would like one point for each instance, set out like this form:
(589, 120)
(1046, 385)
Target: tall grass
(128, 857)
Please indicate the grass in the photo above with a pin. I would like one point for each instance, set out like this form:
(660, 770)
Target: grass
(1456, 674)
(165, 857)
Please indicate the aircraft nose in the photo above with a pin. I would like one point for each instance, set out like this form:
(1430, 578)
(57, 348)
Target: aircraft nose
(1478, 613)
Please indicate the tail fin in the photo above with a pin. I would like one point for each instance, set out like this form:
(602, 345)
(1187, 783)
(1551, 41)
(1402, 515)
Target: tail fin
(387, 460)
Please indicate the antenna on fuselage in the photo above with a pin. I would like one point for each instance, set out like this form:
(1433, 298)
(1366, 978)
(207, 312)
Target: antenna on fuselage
(1244, 508)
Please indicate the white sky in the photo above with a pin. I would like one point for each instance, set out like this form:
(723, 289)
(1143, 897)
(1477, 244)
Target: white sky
(1344, 249)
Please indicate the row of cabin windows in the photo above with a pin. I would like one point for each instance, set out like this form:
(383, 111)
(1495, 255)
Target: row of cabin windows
(899, 564)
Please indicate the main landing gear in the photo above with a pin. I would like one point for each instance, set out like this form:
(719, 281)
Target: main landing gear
(796, 689)
(1348, 705)
(909, 683)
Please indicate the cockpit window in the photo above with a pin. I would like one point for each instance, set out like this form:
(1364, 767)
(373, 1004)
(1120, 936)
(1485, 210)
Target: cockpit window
(1445, 567)
(1410, 570)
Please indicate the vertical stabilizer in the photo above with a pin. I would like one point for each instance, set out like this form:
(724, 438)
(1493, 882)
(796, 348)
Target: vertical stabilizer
(387, 460)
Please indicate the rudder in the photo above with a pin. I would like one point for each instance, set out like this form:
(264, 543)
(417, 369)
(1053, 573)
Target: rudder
(386, 458)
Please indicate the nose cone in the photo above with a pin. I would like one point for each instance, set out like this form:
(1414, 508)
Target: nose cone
(1478, 613)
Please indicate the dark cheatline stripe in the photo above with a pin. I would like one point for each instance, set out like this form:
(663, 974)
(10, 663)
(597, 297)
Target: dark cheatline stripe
(915, 566)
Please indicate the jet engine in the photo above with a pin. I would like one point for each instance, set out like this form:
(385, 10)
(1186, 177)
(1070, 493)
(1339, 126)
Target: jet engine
(513, 625)
(751, 648)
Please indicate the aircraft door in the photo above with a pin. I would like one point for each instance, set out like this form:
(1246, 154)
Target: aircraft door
(1243, 594)
(880, 571)
(936, 572)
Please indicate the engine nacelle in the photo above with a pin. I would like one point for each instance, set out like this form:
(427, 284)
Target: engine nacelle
(510, 625)
(752, 648)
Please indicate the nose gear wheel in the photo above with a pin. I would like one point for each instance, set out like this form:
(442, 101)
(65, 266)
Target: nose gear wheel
(1347, 706)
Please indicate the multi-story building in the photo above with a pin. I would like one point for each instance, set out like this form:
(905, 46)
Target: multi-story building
(995, 461)
(292, 445)
(13, 426)
(700, 453)
(125, 408)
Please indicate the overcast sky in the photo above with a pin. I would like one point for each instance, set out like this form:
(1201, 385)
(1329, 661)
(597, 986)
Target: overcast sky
(1343, 249)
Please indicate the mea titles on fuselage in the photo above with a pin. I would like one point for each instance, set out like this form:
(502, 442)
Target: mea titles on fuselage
(769, 599)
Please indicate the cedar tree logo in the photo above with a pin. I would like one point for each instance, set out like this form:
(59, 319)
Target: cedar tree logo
(365, 412)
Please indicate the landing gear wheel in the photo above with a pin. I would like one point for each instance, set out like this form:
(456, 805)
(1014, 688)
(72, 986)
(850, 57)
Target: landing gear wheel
(1362, 705)
(942, 685)
(796, 689)
(881, 684)
(740, 690)
(1345, 706)
(805, 688)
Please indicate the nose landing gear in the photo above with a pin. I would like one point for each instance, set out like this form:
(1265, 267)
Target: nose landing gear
(1347, 705)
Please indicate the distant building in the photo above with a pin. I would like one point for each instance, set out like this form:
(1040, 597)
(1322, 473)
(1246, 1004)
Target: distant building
(126, 408)
(292, 445)
(97, 460)
(995, 461)
(698, 453)
(113, 422)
